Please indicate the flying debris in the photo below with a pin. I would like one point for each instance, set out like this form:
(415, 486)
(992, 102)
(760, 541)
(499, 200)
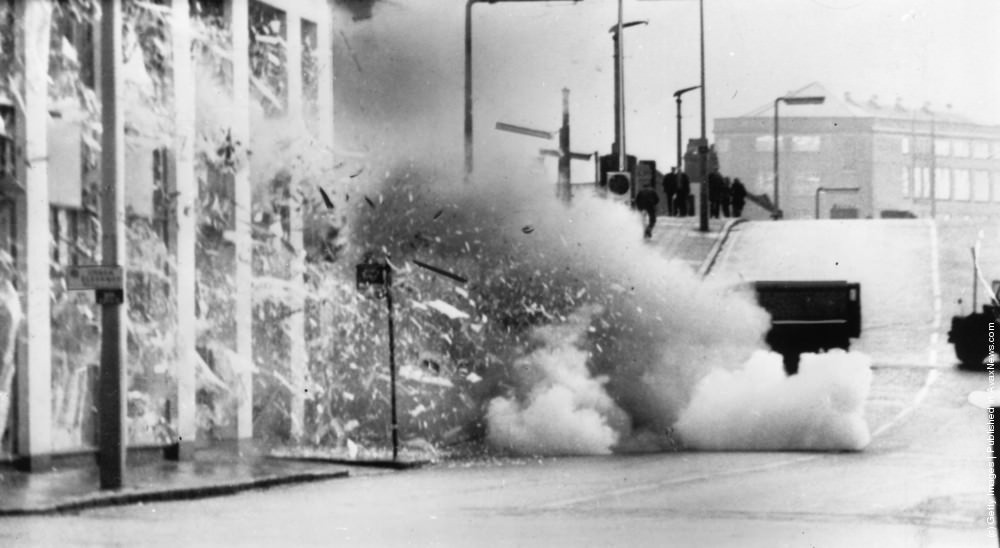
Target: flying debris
(370, 202)
(441, 271)
(447, 309)
(326, 198)
(528, 229)
(438, 214)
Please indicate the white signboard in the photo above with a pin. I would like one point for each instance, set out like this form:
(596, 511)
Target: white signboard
(94, 277)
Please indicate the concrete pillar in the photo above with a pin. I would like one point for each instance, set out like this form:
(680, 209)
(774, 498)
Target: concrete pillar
(239, 24)
(34, 359)
(186, 186)
(298, 358)
(324, 48)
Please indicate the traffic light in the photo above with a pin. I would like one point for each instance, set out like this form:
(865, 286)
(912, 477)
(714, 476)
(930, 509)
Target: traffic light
(619, 182)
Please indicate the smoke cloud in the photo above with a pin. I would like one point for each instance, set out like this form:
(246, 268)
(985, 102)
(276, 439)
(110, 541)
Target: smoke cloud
(759, 408)
(566, 410)
(583, 338)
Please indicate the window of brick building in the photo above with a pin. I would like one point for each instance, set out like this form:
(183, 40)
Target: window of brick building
(942, 184)
(981, 186)
(962, 187)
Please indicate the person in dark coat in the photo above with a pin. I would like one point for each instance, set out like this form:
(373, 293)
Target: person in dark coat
(724, 196)
(646, 201)
(738, 195)
(670, 191)
(715, 188)
(683, 195)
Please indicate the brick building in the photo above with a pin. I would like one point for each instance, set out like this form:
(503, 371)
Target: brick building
(884, 150)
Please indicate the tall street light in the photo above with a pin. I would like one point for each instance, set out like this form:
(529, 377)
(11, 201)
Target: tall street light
(703, 146)
(620, 86)
(677, 98)
(468, 75)
(808, 100)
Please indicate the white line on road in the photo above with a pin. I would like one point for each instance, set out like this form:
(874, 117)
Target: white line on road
(936, 288)
(932, 376)
(691, 478)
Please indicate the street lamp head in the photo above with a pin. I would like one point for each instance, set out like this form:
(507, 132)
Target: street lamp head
(809, 100)
(614, 28)
(680, 92)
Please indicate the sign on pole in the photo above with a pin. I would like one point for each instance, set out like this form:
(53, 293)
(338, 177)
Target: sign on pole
(94, 277)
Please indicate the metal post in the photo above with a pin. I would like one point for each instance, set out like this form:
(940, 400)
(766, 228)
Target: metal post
(111, 408)
(703, 153)
(468, 88)
(620, 92)
(392, 362)
(777, 203)
(678, 164)
(821, 190)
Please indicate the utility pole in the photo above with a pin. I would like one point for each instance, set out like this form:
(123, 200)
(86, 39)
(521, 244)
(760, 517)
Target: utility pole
(111, 395)
(620, 90)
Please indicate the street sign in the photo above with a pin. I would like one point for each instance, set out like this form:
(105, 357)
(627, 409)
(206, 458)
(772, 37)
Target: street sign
(110, 296)
(94, 277)
(372, 275)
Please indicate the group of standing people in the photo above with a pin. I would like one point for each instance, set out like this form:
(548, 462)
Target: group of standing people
(677, 189)
(725, 196)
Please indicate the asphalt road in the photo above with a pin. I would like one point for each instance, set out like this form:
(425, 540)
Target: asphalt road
(922, 482)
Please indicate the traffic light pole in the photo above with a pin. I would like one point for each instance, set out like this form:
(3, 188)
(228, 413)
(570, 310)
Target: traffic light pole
(392, 362)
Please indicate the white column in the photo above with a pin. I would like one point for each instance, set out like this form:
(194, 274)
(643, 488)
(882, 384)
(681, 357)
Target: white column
(239, 21)
(186, 187)
(298, 358)
(324, 47)
(34, 361)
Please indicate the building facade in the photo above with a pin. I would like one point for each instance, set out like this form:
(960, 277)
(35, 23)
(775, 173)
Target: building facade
(865, 159)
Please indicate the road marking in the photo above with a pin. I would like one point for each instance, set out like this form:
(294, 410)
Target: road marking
(723, 260)
(936, 288)
(932, 376)
(675, 481)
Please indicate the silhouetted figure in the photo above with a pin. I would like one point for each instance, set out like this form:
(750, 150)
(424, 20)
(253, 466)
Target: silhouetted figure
(715, 187)
(646, 201)
(670, 183)
(724, 196)
(683, 196)
(738, 195)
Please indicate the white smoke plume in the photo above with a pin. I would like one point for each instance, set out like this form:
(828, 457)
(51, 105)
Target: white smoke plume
(566, 410)
(760, 408)
(606, 344)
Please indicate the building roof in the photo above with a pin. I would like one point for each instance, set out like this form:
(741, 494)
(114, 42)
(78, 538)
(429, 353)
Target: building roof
(845, 106)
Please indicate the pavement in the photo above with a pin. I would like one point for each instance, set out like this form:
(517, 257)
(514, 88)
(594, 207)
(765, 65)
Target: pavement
(214, 470)
(222, 469)
(681, 239)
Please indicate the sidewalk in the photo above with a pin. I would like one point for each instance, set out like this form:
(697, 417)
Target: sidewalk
(213, 472)
(679, 238)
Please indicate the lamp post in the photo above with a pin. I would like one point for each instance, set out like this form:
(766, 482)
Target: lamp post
(468, 76)
(677, 98)
(808, 100)
(702, 154)
(619, 63)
